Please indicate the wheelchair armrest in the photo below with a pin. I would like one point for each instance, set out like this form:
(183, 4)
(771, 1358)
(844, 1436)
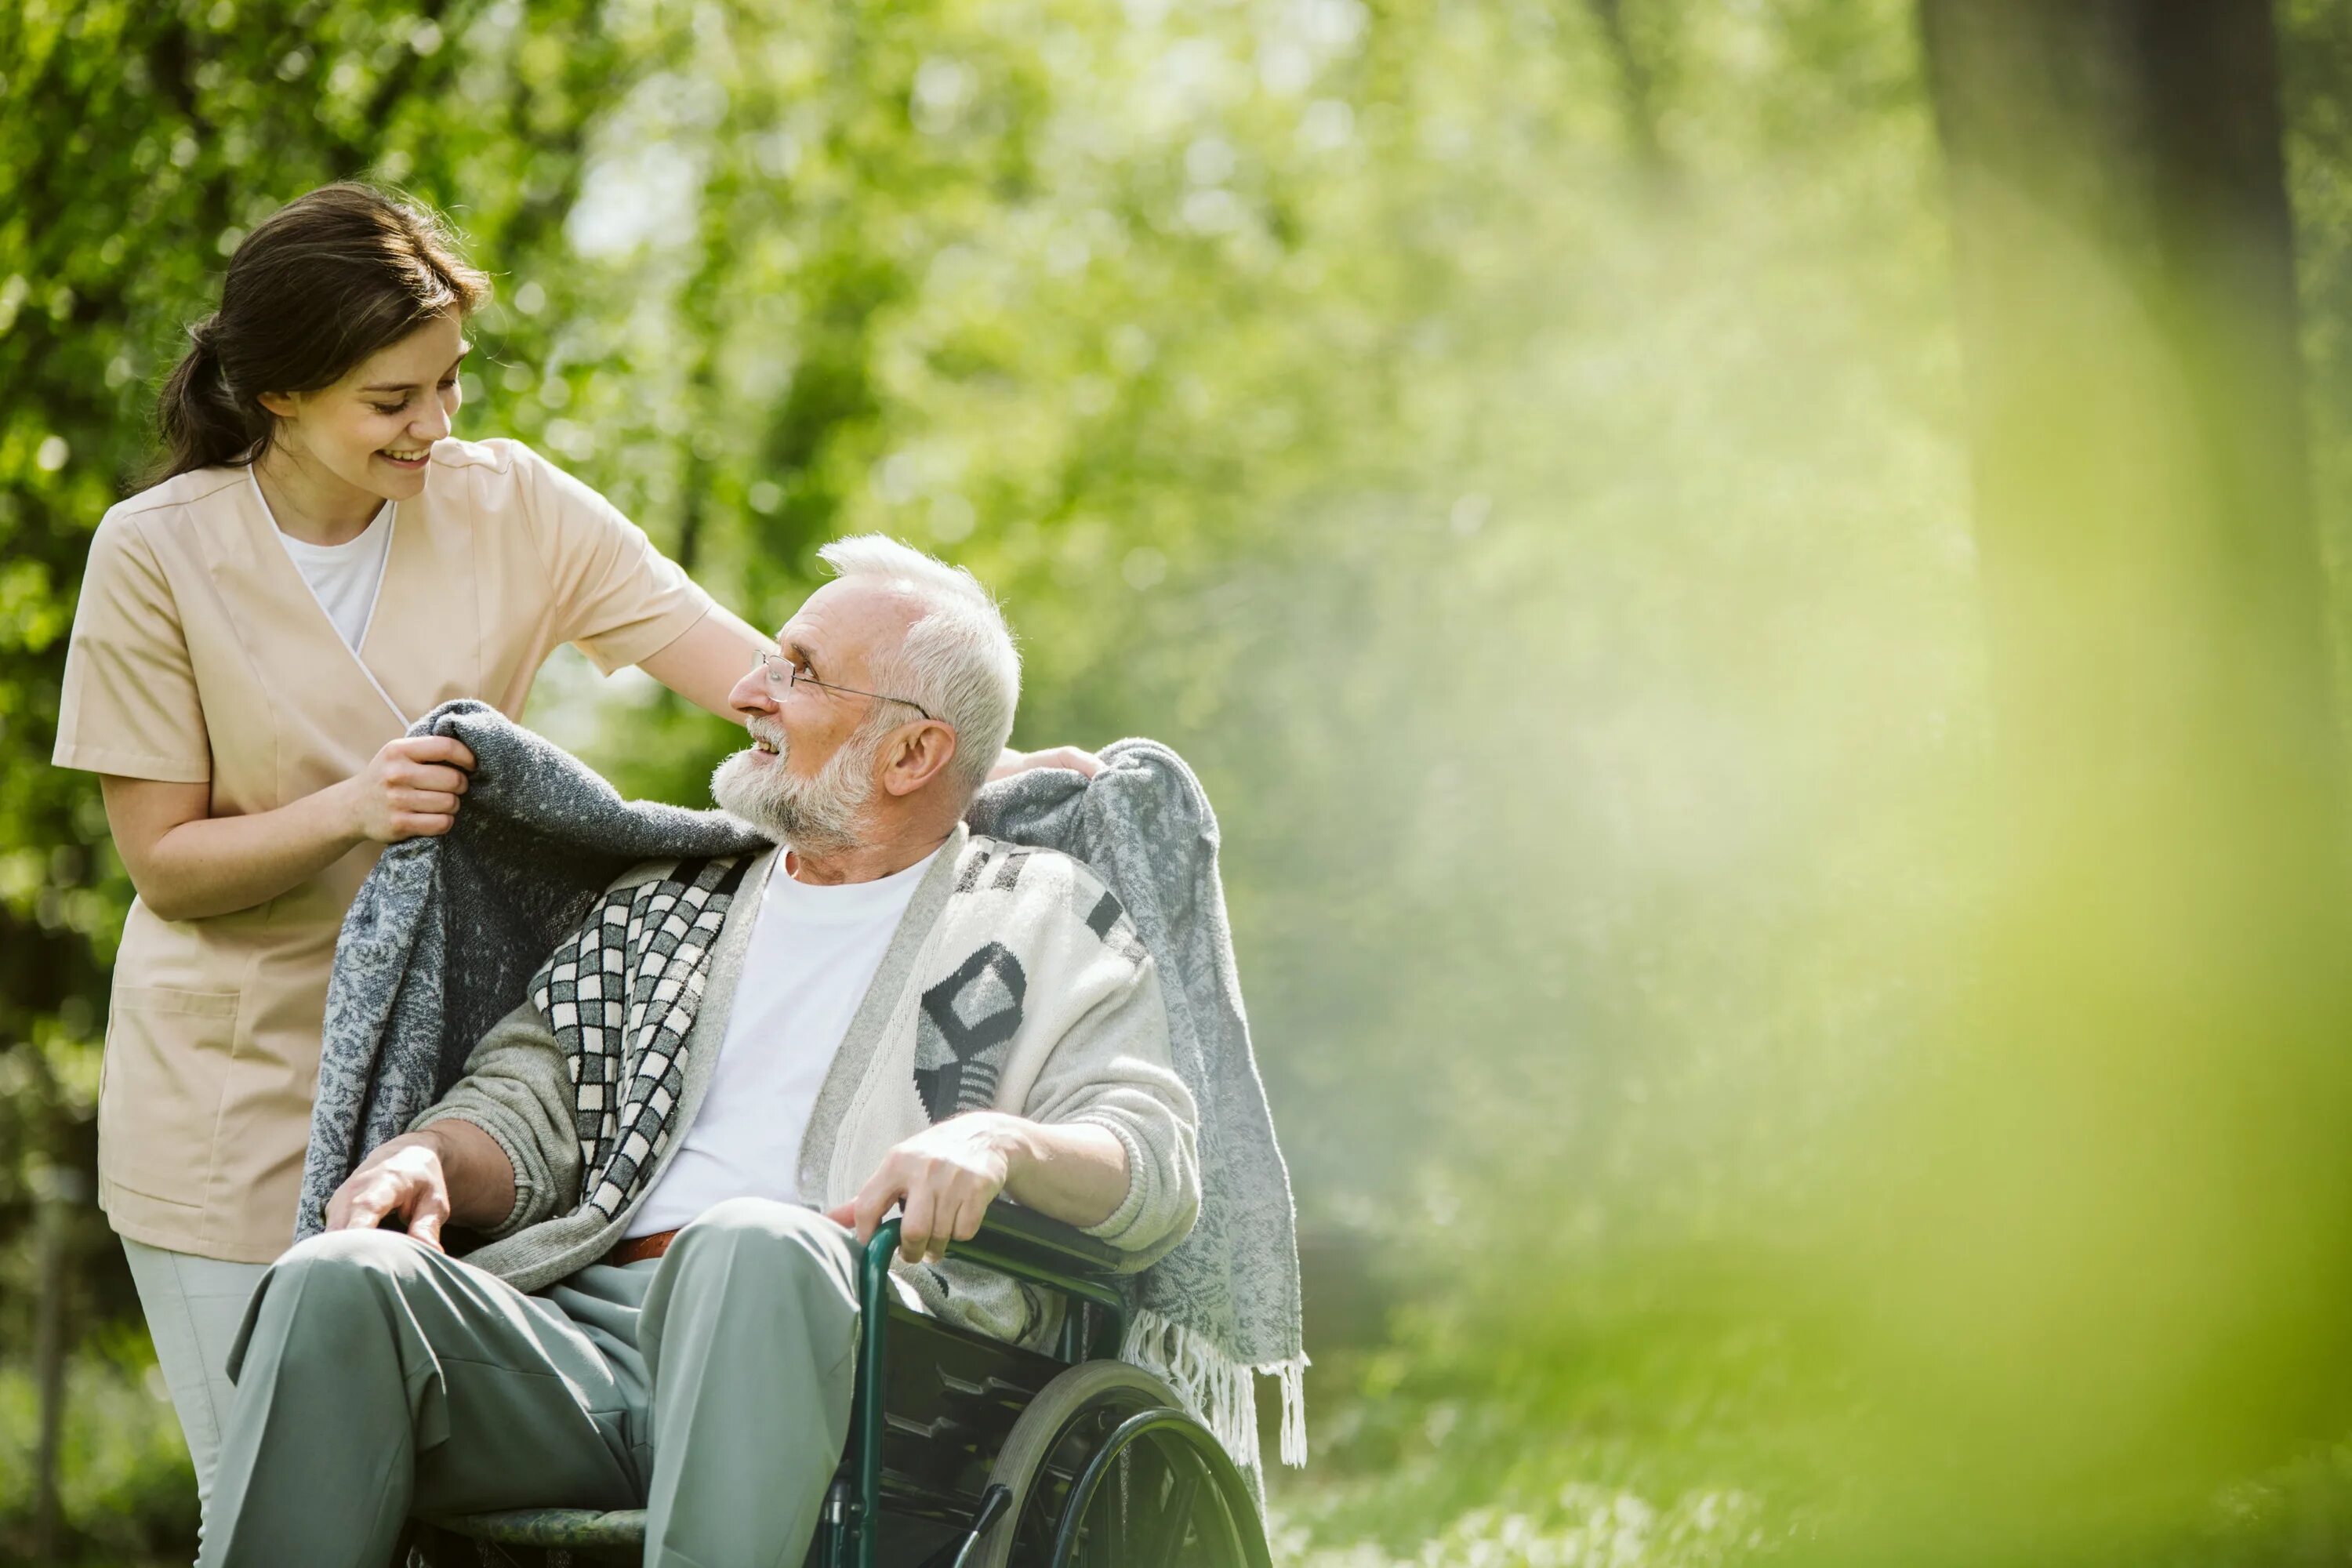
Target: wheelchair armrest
(1009, 1230)
(1027, 1246)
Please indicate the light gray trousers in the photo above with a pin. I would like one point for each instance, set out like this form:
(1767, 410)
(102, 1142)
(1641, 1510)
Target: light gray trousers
(193, 1307)
(377, 1378)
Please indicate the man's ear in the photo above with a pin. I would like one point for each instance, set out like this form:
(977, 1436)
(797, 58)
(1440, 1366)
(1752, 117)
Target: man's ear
(918, 753)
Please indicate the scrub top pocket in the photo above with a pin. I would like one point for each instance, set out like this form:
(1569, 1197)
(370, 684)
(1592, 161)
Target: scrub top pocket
(166, 1050)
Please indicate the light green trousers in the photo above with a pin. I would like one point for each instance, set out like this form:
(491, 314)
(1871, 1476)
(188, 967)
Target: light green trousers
(377, 1377)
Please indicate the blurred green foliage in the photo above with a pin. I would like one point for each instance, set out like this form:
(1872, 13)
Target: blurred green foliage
(1513, 450)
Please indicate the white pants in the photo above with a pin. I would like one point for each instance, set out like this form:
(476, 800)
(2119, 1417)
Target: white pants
(194, 1306)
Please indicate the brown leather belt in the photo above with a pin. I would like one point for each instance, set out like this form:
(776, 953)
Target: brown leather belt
(637, 1249)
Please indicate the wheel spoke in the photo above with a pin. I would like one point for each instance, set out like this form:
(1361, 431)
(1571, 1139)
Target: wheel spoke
(1175, 1516)
(1110, 1472)
(1234, 1552)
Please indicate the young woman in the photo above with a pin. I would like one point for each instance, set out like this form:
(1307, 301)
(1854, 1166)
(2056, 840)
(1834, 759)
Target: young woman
(319, 565)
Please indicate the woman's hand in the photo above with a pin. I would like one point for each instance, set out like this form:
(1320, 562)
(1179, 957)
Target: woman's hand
(1085, 764)
(411, 789)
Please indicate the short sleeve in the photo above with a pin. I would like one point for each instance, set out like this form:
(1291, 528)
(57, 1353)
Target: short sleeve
(617, 596)
(129, 704)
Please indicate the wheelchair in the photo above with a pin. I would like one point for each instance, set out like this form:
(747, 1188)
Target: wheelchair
(965, 1452)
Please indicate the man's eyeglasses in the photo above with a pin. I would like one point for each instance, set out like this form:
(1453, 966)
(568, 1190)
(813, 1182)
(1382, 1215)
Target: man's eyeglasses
(784, 675)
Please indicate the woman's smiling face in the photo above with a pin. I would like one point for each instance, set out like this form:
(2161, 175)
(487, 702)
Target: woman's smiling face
(373, 428)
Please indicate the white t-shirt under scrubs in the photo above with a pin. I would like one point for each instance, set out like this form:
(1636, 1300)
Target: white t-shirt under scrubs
(806, 967)
(346, 577)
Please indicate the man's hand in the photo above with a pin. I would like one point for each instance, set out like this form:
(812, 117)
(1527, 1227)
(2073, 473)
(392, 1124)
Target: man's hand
(945, 1176)
(1085, 764)
(403, 1181)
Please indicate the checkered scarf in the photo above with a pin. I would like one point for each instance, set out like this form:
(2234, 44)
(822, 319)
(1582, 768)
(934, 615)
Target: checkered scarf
(620, 995)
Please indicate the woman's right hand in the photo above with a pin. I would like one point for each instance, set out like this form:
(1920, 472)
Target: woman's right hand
(412, 788)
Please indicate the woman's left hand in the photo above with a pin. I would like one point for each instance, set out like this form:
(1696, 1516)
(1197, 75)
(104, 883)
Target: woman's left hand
(1085, 764)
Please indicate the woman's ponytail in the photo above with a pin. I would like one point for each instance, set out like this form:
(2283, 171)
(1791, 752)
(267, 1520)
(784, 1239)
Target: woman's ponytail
(204, 422)
(319, 285)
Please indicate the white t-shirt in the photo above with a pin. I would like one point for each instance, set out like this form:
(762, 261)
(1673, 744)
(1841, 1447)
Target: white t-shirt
(806, 967)
(345, 576)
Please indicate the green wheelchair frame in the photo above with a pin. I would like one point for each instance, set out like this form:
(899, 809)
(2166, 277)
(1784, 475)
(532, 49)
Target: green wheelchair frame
(934, 1429)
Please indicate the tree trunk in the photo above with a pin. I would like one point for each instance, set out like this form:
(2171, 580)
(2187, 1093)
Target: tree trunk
(2129, 1248)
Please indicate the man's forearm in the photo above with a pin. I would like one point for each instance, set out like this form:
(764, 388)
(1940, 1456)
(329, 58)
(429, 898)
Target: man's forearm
(1075, 1172)
(480, 1176)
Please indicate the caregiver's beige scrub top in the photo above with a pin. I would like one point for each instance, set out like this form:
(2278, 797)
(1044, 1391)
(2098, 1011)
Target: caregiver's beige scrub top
(200, 656)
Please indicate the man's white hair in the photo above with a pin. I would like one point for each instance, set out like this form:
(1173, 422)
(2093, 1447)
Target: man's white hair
(958, 660)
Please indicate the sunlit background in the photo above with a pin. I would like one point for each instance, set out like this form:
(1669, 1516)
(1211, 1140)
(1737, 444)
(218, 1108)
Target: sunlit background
(1519, 452)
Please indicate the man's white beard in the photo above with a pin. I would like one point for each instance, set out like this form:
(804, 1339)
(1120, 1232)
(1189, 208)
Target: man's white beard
(817, 815)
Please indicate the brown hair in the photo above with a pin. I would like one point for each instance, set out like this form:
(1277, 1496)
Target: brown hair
(318, 286)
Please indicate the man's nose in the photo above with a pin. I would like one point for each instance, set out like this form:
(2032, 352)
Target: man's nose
(752, 694)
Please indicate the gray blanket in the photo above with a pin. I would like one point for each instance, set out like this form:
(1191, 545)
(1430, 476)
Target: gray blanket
(1144, 824)
(447, 932)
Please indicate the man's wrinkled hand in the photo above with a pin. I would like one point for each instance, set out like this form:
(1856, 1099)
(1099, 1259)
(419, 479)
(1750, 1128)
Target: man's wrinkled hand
(943, 1178)
(402, 1183)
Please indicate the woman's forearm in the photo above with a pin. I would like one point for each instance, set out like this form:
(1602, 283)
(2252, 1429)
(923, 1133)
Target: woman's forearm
(219, 865)
(703, 663)
(188, 863)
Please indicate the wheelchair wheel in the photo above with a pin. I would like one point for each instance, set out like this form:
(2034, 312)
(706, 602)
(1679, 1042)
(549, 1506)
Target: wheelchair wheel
(1107, 1471)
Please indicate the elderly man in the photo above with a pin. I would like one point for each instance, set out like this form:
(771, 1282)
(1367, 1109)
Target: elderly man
(893, 1011)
